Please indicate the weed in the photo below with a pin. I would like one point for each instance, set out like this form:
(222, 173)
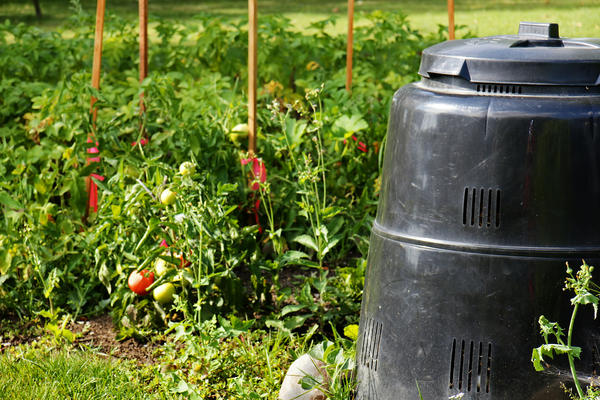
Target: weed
(585, 293)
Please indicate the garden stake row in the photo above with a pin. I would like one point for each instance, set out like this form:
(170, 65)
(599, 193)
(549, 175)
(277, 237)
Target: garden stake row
(143, 48)
(252, 65)
(92, 188)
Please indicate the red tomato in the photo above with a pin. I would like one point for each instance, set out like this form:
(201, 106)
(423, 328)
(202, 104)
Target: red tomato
(139, 281)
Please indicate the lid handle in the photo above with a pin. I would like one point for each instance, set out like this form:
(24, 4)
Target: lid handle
(539, 30)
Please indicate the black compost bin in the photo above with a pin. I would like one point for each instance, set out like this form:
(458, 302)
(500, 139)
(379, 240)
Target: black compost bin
(491, 182)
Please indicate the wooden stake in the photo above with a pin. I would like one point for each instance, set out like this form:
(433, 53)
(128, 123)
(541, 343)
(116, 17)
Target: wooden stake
(252, 65)
(96, 65)
(143, 13)
(101, 6)
(350, 48)
(451, 19)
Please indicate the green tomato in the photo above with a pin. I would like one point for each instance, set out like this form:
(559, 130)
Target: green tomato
(164, 293)
(167, 197)
(240, 128)
(237, 138)
(187, 168)
(238, 133)
(161, 267)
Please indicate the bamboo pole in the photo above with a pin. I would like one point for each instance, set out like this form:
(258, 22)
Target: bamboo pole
(143, 15)
(97, 61)
(252, 66)
(451, 19)
(350, 48)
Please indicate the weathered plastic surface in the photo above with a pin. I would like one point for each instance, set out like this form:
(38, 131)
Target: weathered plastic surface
(487, 190)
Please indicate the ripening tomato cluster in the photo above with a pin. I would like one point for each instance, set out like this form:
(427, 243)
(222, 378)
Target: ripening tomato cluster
(140, 281)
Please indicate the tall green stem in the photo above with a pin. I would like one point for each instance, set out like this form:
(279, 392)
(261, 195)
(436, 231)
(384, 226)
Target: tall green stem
(198, 275)
(570, 356)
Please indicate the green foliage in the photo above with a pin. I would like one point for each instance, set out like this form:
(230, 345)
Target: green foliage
(339, 363)
(230, 362)
(233, 361)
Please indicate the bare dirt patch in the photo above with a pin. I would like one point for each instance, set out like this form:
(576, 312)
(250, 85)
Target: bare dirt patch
(99, 334)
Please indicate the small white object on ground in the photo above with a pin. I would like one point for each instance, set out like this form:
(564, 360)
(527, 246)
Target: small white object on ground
(305, 365)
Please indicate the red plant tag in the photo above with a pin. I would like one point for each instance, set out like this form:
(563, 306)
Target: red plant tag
(93, 195)
(360, 145)
(259, 170)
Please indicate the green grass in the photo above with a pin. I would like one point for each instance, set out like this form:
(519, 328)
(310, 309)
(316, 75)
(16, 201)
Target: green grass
(577, 18)
(30, 373)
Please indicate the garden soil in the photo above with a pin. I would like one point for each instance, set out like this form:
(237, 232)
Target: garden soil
(97, 334)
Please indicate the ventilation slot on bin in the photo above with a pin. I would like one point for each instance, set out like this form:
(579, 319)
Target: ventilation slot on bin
(499, 89)
(481, 207)
(470, 366)
(369, 354)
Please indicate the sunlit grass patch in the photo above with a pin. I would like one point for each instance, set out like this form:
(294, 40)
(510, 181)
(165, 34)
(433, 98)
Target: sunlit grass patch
(32, 373)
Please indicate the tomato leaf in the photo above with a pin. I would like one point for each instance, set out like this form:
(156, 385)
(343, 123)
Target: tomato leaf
(290, 308)
(104, 276)
(306, 241)
(9, 201)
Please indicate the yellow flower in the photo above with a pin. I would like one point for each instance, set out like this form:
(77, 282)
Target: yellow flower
(351, 331)
(377, 185)
(274, 88)
(311, 66)
(66, 155)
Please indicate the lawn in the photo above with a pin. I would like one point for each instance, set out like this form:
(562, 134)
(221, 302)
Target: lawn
(576, 18)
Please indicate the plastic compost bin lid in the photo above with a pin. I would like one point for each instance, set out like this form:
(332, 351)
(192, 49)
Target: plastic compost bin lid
(536, 56)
